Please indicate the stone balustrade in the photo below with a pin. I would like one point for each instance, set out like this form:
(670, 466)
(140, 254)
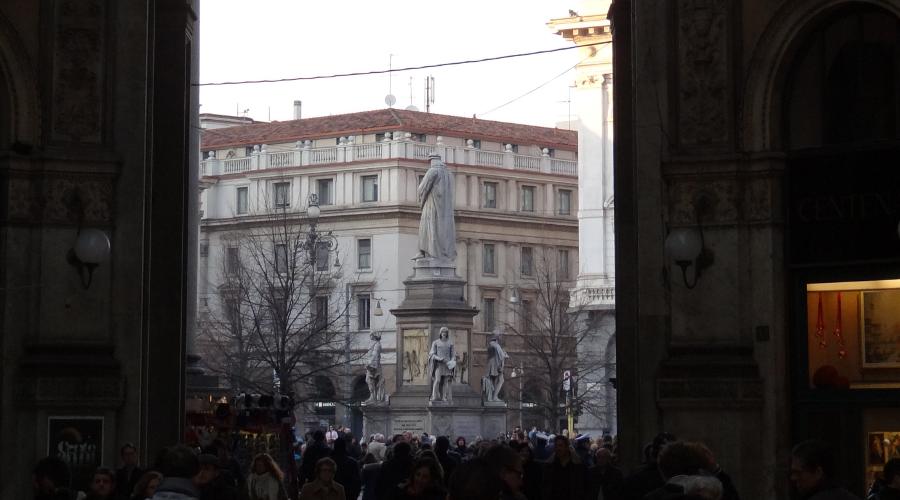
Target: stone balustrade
(303, 154)
(604, 296)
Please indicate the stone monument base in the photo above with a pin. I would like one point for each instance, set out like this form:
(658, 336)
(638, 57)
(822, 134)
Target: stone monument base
(441, 419)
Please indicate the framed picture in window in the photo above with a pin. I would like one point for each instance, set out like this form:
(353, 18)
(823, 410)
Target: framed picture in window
(879, 326)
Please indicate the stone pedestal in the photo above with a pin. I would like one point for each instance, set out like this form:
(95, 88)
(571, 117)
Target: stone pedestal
(439, 419)
(434, 298)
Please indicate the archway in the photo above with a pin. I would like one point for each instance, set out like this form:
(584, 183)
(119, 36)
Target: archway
(838, 117)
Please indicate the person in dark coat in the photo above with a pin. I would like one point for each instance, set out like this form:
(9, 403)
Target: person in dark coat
(442, 451)
(890, 489)
(315, 451)
(605, 477)
(646, 477)
(347, 474)
(532, 471)
(51, 479)
(128, 475)
(564, 474)
(813, 472)
(691, 468)
(395, 470)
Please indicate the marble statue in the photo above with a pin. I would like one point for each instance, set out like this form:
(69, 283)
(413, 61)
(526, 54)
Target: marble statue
(441, 366)
(493, 378)
(374, 375)
(437, 229)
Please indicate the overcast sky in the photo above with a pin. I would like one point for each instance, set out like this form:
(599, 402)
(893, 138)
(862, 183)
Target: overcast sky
(263, 39)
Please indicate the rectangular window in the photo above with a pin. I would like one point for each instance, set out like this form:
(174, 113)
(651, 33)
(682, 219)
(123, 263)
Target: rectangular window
(418, 137)
(321, 312)
(513, 148)
(369, 188)
(527, 261)
(490, 321)
(528, 198)
(324, 188)
(321, 256)
(241, 202)
(527, 315)
(490, 195)
(232, 261)
(476, 143)
(282, 194)
(364, 254)
(281, 259)
(488, 258)
(363, 310)
(564, 264)
(565, 201)
(379, 137)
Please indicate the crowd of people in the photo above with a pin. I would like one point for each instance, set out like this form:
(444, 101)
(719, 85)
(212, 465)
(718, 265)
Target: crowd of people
(334, 465)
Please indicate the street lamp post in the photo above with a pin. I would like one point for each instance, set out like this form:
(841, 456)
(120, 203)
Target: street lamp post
(315, 242)
(519, 372)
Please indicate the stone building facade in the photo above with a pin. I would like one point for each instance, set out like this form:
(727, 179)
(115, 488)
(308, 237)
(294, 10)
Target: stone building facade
(760, 139)
(516, 193)
(594, 295)
(96, 117)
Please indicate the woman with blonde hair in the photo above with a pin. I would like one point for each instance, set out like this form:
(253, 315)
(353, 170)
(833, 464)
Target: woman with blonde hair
(266, 481)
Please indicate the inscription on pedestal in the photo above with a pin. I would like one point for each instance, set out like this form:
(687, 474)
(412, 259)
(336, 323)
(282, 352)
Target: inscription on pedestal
(468, 426)
(410, 423)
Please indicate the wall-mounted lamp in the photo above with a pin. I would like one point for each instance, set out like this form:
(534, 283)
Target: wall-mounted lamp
(378, 311)
(686, 246)
(514, 296)
(90, 250)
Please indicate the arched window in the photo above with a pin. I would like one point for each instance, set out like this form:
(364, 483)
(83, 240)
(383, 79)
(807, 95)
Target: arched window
(324, 397)
(360, 390)
(844, 81)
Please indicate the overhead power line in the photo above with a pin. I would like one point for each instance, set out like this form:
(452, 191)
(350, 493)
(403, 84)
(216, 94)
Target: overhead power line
(397, 70)
(534, 89)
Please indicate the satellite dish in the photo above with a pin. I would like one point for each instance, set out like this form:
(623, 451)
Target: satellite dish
(411, 108)
(390, 100)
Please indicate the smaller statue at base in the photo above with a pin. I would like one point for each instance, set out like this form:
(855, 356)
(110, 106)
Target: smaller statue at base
(493, 378)
(374, 376)
(442, 366)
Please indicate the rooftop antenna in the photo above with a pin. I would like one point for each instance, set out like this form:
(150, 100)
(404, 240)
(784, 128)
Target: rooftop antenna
(390, 73)
(429, 93)
(411, 107)
(389, 99)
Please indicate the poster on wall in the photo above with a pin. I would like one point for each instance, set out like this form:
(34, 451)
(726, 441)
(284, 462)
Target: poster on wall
(881, 447)
(79, 442)
(880, 328)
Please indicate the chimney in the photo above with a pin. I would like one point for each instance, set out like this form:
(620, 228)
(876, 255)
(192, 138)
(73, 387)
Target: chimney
(297, 106)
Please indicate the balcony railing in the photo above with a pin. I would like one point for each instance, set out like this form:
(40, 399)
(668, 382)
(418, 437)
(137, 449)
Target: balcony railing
(305, 155)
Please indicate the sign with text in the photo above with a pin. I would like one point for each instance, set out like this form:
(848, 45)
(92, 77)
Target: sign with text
(79, 442)
(844, 207)
(411, 423)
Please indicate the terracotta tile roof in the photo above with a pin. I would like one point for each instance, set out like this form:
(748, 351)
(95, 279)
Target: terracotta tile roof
(387, 120)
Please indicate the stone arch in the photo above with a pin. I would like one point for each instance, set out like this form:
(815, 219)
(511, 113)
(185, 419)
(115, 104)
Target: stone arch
(359, 389)
(763, 93)
(19, 99)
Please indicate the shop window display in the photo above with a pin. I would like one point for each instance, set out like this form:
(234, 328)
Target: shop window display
(853, 334)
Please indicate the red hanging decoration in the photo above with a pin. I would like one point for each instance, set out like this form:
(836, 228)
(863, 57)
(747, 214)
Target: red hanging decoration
(838, 326)
(820, 324)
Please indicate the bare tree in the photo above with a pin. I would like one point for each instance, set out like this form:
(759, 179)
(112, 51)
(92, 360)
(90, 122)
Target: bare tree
(280, 318)
(552, 339)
